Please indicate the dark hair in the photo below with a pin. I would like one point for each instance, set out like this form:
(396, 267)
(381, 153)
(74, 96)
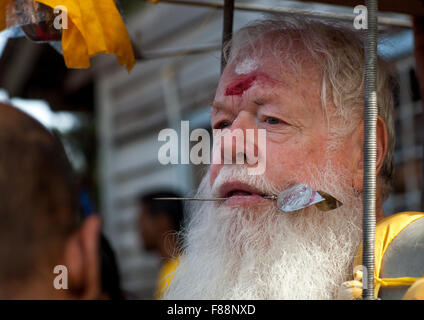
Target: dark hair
(109, 269)
(110, 277)
(172, 209)
(38, 199)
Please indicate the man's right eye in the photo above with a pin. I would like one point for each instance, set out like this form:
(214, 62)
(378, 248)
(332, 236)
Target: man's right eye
(222, 125)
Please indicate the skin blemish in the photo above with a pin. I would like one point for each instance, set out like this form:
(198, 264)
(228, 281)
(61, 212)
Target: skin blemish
(238, 87)
(244, 82)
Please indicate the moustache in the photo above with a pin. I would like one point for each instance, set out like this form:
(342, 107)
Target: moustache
(293, 197)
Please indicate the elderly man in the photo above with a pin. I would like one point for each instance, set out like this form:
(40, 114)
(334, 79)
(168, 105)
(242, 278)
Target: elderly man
(301, 81)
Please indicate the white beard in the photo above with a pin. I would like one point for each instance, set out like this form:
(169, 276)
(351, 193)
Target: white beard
(263, 253)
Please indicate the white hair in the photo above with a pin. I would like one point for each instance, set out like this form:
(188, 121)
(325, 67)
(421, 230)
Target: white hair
(337, 52)
(263, 253)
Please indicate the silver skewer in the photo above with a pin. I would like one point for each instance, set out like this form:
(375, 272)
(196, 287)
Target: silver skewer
(287, 201)
(195, 199)
(210, 199)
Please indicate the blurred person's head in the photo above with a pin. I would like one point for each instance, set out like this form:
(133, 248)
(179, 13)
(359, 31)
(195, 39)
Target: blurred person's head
(159, 221)
(40, 225)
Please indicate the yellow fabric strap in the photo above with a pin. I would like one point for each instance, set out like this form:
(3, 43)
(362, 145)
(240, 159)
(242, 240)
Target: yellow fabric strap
(394, 282)
(94, 27)
(386, 230)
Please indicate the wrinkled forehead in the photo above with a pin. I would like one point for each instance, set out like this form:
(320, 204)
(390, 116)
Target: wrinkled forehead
(274, 49)
(253, 80)
(269, 71)
(241, 74)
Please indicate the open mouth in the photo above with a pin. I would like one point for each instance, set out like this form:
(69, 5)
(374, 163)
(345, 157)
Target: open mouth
(238, 193)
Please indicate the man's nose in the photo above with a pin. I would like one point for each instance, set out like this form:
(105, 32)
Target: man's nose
(238, 144)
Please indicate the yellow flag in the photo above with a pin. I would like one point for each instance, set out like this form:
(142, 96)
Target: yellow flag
(94, 27)
(3, 5)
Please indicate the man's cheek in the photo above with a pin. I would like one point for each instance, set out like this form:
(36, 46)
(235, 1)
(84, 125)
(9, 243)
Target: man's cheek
(285, 165)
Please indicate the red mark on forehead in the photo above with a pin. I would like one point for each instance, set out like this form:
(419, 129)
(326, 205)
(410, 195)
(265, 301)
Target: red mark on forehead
(240, 85)
(243, 83)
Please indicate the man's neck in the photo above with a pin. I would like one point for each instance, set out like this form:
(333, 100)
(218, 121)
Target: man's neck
(379, 213)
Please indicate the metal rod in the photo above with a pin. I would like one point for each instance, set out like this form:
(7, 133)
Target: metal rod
(422, 178)
(152, 55)
(370, 148)
(389, 21)
(194, 199)
(209, 199)
(227, 28)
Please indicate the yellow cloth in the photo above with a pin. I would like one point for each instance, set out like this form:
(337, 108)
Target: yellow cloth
(415, 292)
(3, 5)
(386, 230)
(166, 274)
(94, 27)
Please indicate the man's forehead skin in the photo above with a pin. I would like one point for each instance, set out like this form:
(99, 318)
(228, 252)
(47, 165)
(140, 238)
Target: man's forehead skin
(233, 85)
(247, 91)
(238, 85)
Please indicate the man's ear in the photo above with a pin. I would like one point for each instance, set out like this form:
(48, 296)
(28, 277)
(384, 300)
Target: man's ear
(82, 258)
(382, 143)
(358, 151)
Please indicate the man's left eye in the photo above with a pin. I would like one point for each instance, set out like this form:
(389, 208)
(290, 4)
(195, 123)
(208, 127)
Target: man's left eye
(271, 120)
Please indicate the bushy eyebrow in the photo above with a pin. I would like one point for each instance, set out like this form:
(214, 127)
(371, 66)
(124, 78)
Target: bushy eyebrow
(216, 105)
(258, 101)
(219, 107)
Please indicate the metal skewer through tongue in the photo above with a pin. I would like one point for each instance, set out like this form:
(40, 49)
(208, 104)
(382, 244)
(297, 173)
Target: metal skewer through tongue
(298, 196)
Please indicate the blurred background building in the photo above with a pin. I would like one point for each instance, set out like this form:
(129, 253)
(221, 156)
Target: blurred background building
(110, 120)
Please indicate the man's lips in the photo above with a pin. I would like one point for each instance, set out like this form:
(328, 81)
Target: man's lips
(239, 193)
